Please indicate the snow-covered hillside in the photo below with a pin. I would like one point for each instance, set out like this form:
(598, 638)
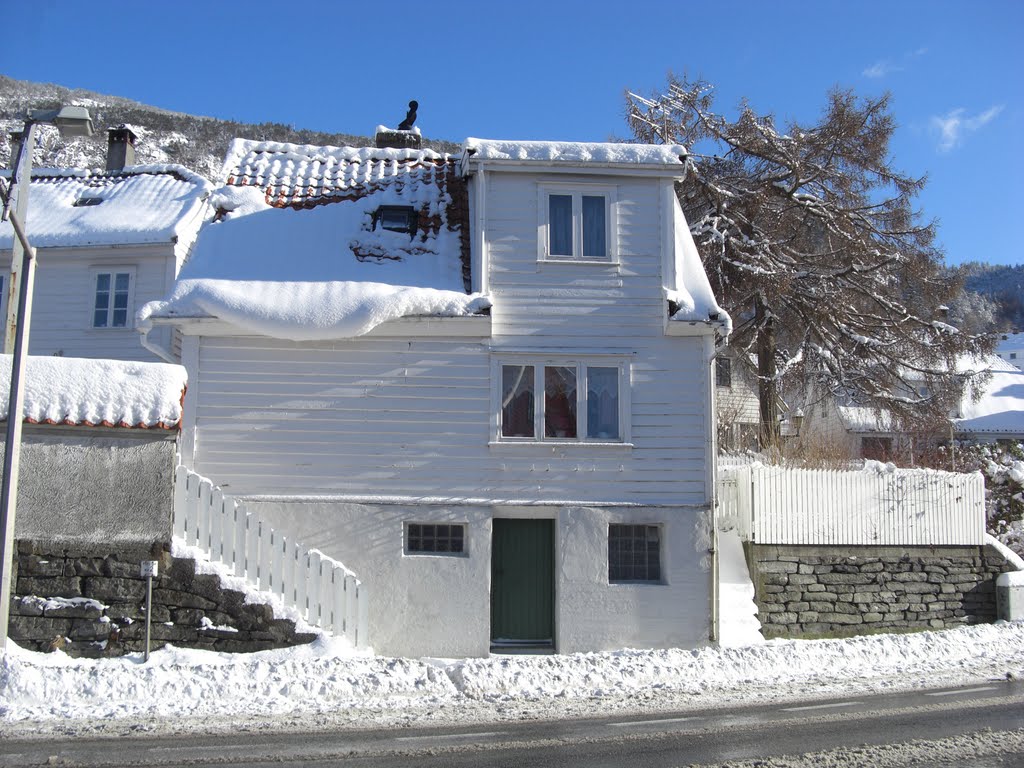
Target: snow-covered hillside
(198, 143)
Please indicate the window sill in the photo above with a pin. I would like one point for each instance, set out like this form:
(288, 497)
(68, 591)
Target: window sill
(637, 583)
(583, 262)
(533, 445)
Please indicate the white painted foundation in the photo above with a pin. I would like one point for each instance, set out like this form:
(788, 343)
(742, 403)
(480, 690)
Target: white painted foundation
(439, 605)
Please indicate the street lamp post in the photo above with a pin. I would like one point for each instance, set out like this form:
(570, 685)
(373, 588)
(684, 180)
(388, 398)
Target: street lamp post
(70, 121)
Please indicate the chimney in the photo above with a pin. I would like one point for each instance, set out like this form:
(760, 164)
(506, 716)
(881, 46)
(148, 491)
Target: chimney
(387, 138)
(120, 148)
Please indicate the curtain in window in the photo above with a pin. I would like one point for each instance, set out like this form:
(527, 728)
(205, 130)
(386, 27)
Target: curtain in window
(603, 403)
(120, 314)
(517, 401)
(102, 305)
(560, 225)
(594, 230)
(559, 401)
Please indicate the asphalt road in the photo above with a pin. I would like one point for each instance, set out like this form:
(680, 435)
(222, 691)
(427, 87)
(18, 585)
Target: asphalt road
(667, 739)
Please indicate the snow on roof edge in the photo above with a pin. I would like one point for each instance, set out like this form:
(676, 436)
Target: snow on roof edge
(98, 393)
(574, 152)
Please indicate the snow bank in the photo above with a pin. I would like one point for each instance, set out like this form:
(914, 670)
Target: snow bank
(325, 678)
(67, 390)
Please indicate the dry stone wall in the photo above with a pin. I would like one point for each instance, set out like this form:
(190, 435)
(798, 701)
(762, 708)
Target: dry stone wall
(815, 591)
(89, 600)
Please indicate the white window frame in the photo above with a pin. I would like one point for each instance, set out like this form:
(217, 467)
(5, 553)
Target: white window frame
(577, 192)
(113, 271)
(581, 363)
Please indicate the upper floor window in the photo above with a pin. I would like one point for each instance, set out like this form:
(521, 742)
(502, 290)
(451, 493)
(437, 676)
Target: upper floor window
(577, 223)
(112, 299)
(562, 400)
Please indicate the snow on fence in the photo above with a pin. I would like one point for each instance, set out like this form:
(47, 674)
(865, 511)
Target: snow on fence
(780, 505)
(326, 593)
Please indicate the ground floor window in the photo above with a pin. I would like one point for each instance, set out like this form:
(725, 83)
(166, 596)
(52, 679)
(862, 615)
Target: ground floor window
(634, 553)
(435, 538)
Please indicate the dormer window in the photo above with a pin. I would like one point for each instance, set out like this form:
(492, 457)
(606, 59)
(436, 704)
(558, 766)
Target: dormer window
(395, 218)
(87, 200)
(577, 223)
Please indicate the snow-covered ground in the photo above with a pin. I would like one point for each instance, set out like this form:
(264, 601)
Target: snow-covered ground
(327, 685)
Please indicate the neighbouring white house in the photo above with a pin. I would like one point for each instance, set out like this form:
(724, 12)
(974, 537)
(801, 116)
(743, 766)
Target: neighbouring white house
(998, 413)
(1010, 347)
(107, 242)
(483, 382)
(737, 403)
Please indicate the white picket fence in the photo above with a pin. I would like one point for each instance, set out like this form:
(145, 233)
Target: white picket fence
(324, 592)
(780, 505)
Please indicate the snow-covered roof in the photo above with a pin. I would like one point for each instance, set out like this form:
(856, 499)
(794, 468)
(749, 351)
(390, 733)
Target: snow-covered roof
(108, 393)
(298, 251)
(303, 175)
(1000, 409)
(139, 205)
(692, 292)
(575, 152)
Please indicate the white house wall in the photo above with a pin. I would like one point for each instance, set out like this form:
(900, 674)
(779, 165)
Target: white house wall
(424, 605)
(65, 292)
(382, 417)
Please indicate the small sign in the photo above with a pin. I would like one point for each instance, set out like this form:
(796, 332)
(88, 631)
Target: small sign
(149, 568)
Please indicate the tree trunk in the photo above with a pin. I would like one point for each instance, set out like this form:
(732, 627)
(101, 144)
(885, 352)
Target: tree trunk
(766, 382)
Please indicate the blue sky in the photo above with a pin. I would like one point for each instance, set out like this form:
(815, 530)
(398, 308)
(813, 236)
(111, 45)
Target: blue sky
(558, 70)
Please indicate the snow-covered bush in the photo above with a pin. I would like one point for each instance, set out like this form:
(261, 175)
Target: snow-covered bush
(1002, 464)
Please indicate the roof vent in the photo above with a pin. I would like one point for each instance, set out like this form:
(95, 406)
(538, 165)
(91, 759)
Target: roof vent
(405, 137)
(120, 148)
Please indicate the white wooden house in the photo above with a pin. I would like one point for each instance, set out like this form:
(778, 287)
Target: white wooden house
(483, 382)
(107, 242)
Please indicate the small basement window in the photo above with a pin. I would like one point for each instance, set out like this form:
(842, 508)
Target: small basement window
(86, 200)
(634, 553)
(395, 218)
(435, 538)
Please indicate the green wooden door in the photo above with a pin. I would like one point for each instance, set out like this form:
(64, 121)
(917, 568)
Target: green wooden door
(523, 583)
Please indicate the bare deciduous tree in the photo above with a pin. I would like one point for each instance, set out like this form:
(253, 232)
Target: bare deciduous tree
(810, 238)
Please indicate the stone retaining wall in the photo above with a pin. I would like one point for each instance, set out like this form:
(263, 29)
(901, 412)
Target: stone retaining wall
(816, 591)
(89, 600)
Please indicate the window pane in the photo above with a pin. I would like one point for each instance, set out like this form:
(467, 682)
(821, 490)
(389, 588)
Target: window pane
(121, 282)
(594, 231)
(603, 403)
(103, 282)
(634, 553)
(723, 372)
(441, 539)
(559, 401)
(560, 225)
(517, 401)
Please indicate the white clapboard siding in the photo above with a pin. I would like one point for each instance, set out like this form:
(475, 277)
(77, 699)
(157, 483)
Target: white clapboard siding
(64, 295)
(779, 505)
(325, 593)
(390, 417)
